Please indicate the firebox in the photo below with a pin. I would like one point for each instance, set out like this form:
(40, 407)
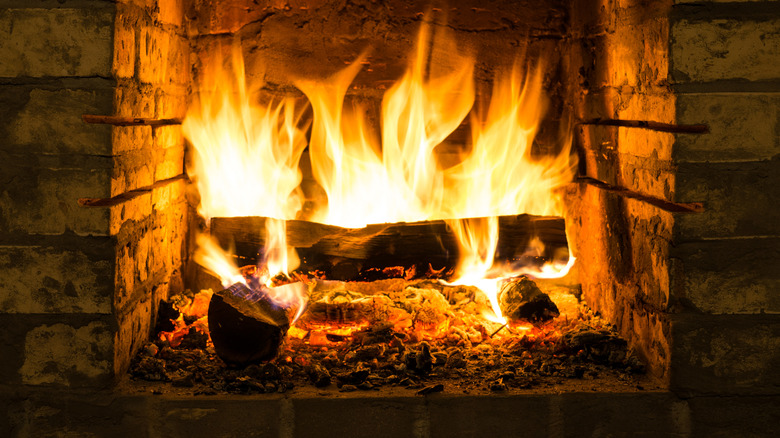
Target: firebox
(628, 148)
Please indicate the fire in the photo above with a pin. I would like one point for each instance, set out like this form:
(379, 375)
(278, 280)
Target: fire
(211, 256)
(247, 156)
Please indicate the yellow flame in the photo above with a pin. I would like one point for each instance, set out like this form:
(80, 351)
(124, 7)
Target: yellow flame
(247, 156)
(212, 257)
(278, 257)
(245, 163)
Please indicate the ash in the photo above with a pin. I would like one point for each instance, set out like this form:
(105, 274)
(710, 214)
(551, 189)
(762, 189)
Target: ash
(421, 336)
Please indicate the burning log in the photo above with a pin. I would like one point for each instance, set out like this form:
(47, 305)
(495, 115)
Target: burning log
(246, 326)
(345, 253)
(521, 299)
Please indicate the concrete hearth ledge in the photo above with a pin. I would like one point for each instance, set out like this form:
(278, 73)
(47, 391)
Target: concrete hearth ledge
(392, 412)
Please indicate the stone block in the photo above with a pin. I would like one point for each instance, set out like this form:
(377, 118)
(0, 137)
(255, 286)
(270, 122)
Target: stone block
(169, 136)
(12, 415)
(170, 162)
(153, 50)
(359, 417)
(169, 233)
(171, 194)
(56, 42)
(223, 16)
(632, 53)
(743, 126)
(123, 63)
(657, 106)
(740, 199)
(133, 170)
(170, 101)
(132, 262)
(725, 417)
(135, 323)
(59, 414)
(223, 417)
(67, 355)
(42, 120)
(645, 175)
(634, 415)
(728, 275)
(37, 199)
(134, 100)
(178, 62)
(725, 49)
(136, 209)
(170, 12)
(725, 354)
(36, 279)
(12, 338)
(496, 416)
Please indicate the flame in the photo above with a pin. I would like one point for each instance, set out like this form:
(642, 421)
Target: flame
(216, 260)
(278, 258)
(212, 257)
(403, 182)
(245, 162)
(247, 154)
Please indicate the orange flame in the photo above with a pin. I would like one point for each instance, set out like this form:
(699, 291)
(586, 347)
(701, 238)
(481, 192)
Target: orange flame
(247, 156)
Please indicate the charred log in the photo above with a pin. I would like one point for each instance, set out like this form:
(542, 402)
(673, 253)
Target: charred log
(246, 328)
(348, 253)
(521, 299)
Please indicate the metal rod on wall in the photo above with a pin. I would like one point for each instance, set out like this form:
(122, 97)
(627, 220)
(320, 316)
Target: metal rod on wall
(129, 121)
(672, 207)
(126, 196)
(653, 126)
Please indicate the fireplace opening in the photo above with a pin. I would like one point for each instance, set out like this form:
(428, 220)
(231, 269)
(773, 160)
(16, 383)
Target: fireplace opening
(349, 199)
(388, 215)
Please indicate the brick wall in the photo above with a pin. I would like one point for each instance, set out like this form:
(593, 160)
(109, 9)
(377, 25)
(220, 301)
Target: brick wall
(151, 67)
(697, 293)
(77, 285)
(623, 244)
(726, 261)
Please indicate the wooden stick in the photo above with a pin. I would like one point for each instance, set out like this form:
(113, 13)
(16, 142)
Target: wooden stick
(124, 197)
(129, 121)
(653, 126)
(672, 207)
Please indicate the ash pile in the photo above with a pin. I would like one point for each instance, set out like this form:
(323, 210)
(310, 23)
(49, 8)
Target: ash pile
(424, 336)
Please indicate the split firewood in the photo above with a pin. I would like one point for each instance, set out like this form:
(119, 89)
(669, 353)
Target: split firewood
(347, 253)
(521, 299)
(246, 326)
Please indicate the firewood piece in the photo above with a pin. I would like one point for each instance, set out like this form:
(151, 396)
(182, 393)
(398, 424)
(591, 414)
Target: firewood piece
(422, 244)
(245, 326)
(521, 299)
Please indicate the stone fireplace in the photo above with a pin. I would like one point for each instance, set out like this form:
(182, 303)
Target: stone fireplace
(695, 293)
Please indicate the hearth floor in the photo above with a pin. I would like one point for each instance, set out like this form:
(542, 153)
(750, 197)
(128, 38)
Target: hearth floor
(602, 407)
